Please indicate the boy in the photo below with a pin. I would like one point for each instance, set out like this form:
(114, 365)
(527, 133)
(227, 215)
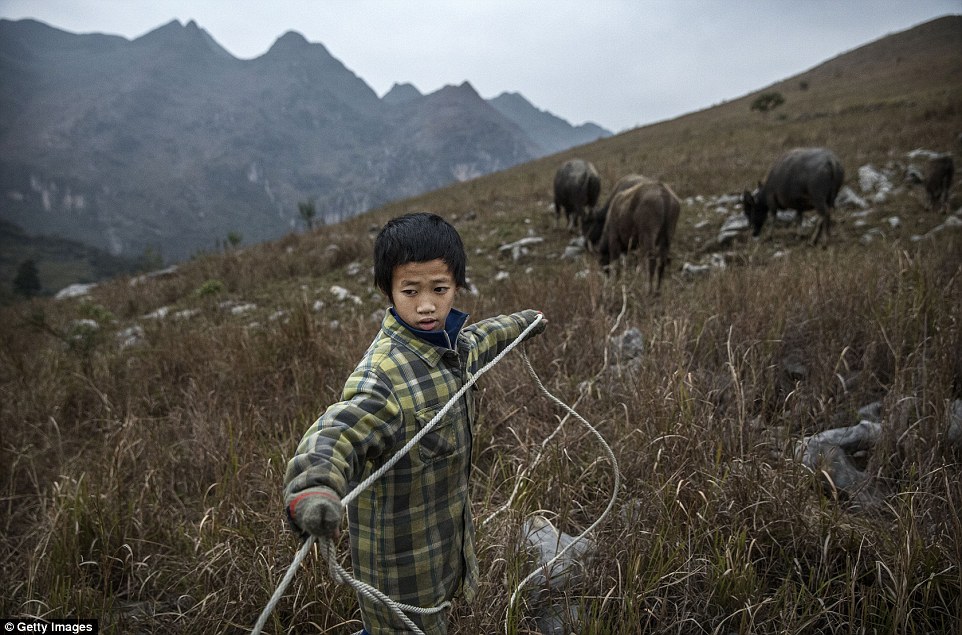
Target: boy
(412, 536)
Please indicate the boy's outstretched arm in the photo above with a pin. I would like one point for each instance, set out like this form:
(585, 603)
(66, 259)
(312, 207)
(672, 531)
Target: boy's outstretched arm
(491, 336)
(333, 451)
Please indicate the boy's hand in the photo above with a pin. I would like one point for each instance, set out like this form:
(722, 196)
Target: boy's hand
(530, 315)
(318, 511)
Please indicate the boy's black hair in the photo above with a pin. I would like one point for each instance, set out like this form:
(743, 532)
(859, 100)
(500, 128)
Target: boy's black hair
(417, 237)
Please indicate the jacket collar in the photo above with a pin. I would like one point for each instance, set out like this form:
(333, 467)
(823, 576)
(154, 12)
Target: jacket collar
(429, 345)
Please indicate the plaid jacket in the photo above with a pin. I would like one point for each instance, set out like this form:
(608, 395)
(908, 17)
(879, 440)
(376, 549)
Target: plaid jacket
(412, 535)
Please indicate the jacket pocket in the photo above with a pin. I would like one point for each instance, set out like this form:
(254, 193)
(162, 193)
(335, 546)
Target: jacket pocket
(442, 440)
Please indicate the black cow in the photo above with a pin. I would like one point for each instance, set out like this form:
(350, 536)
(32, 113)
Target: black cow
(576, 187)
(938, 181)
(801, 179)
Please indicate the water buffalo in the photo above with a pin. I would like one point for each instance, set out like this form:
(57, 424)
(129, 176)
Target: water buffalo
(938, 181)
(643, 216)
(576, 186)
(801, 179)
(594, 220)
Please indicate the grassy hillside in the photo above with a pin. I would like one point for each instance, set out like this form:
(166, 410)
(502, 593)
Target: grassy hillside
(146, 427)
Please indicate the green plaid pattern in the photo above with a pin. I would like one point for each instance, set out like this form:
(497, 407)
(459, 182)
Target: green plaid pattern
(412, 535)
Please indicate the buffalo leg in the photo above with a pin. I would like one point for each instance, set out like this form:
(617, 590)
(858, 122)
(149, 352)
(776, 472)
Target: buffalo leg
(662, 262)
(652, 263)
(824, 224)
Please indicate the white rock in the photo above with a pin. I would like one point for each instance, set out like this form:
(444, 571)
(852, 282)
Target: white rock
(343, 295)
(74, 291)
(922, 153)
(693, 271)
(848, 197)
(85, 324)
(158, 314)
(160, 273)
(131, 336)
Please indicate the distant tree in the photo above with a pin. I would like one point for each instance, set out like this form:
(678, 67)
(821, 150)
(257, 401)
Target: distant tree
(27, 280)
(768, 101)
(234, 239)
(150, 260)
(308, 211)
(803, 85)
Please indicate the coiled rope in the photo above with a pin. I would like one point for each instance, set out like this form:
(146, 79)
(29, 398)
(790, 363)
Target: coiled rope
(340, 575)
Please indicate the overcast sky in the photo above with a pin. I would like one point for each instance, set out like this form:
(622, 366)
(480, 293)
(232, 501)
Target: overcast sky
(618, 63)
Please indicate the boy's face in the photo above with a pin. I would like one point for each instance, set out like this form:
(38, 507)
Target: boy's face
(423, 293)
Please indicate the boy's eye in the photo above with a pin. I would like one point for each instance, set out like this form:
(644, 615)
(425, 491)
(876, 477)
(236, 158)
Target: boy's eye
(408, 292)
(441, 290)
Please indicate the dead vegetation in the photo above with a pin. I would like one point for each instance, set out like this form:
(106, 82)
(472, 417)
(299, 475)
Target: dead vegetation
(142, 469)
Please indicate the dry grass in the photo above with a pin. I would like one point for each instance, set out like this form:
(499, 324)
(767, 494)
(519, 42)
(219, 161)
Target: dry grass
(141, 484)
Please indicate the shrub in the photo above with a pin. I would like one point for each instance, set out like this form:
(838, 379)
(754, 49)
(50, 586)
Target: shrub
(210, 288)
(768, 101)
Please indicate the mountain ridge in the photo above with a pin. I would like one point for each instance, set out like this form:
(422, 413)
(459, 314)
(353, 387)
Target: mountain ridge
(168, 143)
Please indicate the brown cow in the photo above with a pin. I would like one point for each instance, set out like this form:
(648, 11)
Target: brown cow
(641, 217)
(594, 221)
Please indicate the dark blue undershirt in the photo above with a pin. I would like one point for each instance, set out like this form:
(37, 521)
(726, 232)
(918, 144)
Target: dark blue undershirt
(446, 338)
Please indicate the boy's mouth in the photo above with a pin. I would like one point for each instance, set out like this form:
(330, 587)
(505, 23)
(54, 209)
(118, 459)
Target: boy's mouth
(427, 324)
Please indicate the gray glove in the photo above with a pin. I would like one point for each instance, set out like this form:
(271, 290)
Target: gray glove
(529, 316)
(317, 511)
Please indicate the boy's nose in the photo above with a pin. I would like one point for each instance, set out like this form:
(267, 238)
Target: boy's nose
(426, 307)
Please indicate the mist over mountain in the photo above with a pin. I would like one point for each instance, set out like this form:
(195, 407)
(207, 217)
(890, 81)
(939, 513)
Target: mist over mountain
(169, 143)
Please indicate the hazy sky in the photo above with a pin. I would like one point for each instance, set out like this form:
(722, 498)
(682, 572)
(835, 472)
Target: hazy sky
(618, 63)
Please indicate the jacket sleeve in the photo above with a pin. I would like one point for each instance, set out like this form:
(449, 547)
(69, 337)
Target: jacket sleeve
(361, 427)
(491, 336)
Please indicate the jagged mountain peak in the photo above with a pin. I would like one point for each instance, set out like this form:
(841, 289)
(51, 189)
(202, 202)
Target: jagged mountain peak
(511, 96)
(548, 130)
(182, 37)
(294, 44)
(461, 92)
(466, 88)
(401, 93)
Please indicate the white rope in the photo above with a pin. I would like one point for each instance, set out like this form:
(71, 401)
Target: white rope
(537, 460)
(614, 490)
(342, 575)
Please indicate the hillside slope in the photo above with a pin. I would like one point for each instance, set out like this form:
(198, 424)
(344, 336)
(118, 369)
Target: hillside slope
(148, 424)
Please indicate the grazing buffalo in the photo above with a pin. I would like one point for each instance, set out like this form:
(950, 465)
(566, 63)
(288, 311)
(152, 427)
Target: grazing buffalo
(576, 187)
(594, 220)
(642, 216)
(801, 179)
(938, 181)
